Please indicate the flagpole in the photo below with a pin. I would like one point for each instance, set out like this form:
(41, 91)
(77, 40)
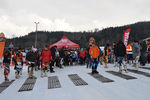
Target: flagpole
(36, 23)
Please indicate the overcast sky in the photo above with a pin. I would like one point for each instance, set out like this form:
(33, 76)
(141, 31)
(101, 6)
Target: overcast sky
(17, 17)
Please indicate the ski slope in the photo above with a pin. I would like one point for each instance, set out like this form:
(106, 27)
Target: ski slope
(120, 89)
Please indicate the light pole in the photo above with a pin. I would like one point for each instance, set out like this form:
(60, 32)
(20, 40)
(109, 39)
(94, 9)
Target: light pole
(36, 23)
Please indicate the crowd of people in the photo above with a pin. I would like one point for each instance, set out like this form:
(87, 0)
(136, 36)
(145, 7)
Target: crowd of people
(47, 58)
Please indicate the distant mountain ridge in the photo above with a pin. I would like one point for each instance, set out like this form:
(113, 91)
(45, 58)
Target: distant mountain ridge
(139, 31)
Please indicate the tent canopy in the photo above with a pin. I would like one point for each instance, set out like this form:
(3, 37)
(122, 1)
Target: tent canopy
(65, 42)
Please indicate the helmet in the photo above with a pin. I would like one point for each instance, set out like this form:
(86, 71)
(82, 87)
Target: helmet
(92, 39)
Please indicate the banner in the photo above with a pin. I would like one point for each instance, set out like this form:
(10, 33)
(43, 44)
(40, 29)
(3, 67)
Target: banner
(126, 36)
(2, 44)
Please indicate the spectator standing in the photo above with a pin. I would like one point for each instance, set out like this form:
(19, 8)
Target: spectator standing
(136, 53)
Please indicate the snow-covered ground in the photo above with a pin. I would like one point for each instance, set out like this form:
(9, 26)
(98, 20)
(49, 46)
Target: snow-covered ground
(120, 89)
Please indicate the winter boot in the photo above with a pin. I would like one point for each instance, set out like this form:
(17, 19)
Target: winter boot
(125, 68)
(93, 70)
(134, 65)
(137, 66)
(60, 66)
(6, 79)
(87, 66)
(21, 72)
(130, 62)
(45, 74)
(120, 69)
(17, 76)
(106, 66)
(42, 73)
(36, 68)
(51, 70)
(30, 74)
(116, 64)
(96, 72)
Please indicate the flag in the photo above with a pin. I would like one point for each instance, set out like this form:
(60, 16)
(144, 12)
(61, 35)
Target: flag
(126, 36)
(2, 44)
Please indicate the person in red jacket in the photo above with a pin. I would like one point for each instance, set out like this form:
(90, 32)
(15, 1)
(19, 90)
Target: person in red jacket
(82, 56)
(46, 58)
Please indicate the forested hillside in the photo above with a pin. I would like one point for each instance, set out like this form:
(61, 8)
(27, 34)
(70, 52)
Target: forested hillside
(139, 31)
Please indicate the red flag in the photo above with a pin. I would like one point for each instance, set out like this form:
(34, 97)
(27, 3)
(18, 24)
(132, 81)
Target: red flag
(126, 36)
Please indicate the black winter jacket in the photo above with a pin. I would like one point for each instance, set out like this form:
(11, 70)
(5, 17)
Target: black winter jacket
(53, 51)
(31, 56)
(7, 57)
(120, 49)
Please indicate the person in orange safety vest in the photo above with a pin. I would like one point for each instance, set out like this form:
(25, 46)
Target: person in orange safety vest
(94, 53)
(18, 58)
(129, 53)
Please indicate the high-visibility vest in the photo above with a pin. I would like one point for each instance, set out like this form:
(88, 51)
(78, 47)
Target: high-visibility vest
(19, 58)
(94, 52)
(129, 49)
